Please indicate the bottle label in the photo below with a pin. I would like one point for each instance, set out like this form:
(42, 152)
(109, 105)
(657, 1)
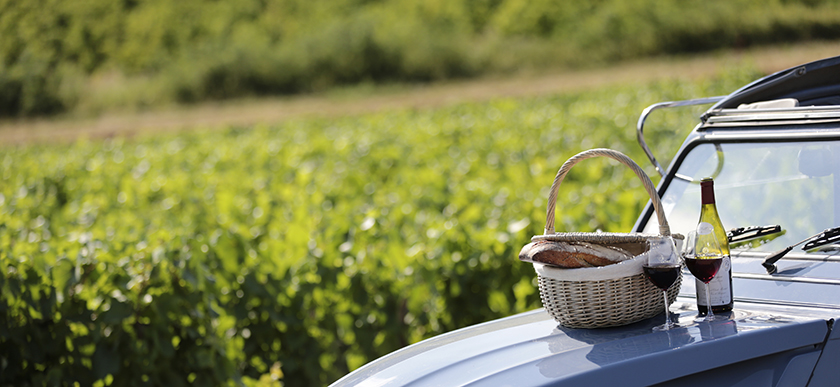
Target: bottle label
(719, 287)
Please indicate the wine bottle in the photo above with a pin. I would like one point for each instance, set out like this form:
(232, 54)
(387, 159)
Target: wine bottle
(715, 243)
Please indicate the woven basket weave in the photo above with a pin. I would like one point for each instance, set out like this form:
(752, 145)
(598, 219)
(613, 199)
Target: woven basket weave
(605, 296)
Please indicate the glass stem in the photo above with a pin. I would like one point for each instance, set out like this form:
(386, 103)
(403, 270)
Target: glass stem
(709, 315)
(667, 312)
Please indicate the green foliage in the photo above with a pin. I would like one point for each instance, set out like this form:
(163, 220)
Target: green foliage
(98, 55)
(299, 252)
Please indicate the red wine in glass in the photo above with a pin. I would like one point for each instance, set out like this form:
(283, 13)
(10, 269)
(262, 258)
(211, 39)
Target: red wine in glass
(704, 268)
(662, 268)
(662, 275)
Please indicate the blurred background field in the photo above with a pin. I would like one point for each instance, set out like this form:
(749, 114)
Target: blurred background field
(308, 235)
(93, 56)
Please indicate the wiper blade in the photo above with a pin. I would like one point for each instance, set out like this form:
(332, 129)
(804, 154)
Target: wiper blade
(828, 236)
(742, 234)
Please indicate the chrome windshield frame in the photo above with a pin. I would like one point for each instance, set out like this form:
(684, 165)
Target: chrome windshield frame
(661, 105)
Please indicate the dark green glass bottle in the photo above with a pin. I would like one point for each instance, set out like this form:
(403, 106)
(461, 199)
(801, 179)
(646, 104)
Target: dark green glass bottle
(720, 287)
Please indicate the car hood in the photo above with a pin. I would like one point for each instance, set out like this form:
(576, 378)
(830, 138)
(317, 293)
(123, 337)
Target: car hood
(531, 349)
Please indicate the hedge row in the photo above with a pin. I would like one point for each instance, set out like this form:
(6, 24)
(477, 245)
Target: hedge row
(97, 55)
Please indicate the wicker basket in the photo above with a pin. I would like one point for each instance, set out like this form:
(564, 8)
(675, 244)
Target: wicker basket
(606, 296)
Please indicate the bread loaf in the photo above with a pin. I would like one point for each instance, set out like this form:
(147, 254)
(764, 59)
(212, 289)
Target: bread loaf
(572, 255)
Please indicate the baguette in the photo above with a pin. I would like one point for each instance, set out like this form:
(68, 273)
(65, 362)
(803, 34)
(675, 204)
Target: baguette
(572, 255)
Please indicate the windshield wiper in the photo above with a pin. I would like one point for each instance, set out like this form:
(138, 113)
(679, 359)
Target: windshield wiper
(828, 236)
(743, 234)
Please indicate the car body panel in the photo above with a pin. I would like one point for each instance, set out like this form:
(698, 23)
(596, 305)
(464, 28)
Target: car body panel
(827, 371)
(532, 349)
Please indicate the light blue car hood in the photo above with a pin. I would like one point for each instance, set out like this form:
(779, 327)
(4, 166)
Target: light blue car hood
(757, 345)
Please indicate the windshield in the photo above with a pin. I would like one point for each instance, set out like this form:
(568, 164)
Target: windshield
(792, 184)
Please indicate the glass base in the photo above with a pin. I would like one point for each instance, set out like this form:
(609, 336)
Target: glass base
(665, 327)
(705, 318)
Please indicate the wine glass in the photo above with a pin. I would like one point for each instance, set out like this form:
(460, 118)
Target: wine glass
(703, 259)
(662, 267)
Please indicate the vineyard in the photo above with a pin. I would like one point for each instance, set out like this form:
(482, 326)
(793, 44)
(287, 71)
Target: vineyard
(295, 253)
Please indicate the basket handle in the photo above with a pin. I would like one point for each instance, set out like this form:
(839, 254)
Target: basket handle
(664, 229)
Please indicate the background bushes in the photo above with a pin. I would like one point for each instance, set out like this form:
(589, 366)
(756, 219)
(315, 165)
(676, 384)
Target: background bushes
(95, 55)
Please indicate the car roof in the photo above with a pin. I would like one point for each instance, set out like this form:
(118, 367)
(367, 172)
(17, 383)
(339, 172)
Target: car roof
(812, 84)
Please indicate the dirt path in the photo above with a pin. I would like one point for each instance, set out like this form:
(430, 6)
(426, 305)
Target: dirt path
(216, 115)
